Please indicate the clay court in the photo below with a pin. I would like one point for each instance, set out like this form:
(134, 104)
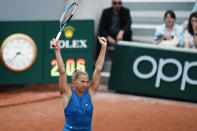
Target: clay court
(39, 108)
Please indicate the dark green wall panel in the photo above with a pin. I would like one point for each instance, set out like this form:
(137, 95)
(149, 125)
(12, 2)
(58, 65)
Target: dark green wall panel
(124, 78)
(35, 31)
(80, 48)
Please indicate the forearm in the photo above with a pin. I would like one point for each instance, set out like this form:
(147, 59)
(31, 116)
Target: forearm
(63, 86)
(60, 62)
(101, 58)
(160, 40)
(186, 45)
(121, 32)
(99, 64)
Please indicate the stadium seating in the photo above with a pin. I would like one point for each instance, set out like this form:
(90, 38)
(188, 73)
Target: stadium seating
(148, 14)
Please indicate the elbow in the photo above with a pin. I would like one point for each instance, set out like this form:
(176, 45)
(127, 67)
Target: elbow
(62, 90)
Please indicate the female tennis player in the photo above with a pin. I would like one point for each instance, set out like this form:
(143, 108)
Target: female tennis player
(78, 101)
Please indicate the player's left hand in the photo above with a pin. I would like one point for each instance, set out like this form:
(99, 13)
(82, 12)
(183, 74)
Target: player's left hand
(102, 41)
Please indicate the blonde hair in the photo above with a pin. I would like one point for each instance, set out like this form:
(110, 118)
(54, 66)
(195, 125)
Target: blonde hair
(77, 73)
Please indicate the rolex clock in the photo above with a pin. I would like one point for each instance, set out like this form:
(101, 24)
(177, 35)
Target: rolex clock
(18, 52)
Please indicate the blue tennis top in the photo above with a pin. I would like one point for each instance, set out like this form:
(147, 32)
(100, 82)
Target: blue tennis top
(78, 113)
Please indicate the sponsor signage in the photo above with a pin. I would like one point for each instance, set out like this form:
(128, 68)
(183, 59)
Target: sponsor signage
(77, 36)
(156, 71)
(76, 43)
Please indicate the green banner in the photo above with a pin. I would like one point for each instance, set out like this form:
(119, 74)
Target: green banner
(155, 71)
(76, 43)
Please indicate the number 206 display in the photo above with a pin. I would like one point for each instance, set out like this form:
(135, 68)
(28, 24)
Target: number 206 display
(70, 64)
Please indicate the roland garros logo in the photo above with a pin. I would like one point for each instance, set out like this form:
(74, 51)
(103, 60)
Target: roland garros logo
(157, 68)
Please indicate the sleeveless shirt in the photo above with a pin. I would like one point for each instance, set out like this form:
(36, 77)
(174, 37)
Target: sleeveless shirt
(78, 113)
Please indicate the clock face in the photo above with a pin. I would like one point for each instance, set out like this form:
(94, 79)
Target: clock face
(18, 52)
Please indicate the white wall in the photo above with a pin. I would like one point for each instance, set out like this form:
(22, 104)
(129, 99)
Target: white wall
(91, 9)
(17, 10)
(41, 10)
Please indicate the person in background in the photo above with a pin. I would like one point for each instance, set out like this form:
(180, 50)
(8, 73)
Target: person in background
(169, 30)
(115, 25)
(78, 101)
(190, 35)
(194, 9)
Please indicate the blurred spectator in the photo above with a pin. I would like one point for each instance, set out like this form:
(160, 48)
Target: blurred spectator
(169, 34)
(115, 25)
(190, 36)
(194, 9)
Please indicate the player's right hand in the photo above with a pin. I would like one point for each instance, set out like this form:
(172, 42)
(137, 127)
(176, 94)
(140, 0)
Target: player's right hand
(55, 44)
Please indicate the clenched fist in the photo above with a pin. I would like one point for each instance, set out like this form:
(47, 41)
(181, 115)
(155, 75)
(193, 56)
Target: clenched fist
(102, 41)
(55, 45)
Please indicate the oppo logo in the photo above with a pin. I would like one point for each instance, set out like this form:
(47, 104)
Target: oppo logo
(157, 68)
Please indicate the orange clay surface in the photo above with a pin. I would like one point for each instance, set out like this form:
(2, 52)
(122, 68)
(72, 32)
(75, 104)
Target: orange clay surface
(39, 108)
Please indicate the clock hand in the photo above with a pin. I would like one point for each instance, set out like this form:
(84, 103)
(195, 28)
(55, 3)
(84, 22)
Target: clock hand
(17, 53)
(20, 53)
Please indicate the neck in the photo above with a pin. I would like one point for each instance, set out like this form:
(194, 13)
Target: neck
(169, 27)
(78, 92)
(115, 11)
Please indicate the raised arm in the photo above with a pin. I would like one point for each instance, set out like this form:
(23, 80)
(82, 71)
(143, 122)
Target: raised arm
(99, 65)
(64, 88)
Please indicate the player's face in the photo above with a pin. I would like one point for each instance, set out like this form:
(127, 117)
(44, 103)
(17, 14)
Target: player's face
(82, 83)
(116, 4)
(169, 20)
